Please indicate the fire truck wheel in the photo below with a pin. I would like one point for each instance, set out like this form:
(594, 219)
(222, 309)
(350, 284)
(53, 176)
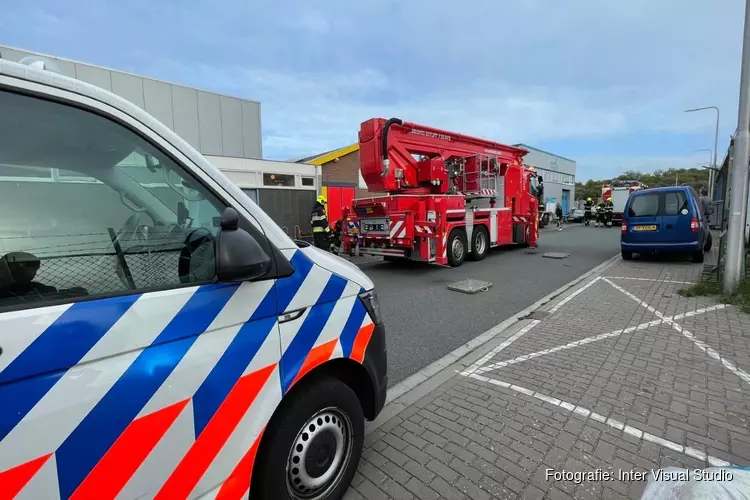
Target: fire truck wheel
(457, 248)
(312, 447)
(480, 243)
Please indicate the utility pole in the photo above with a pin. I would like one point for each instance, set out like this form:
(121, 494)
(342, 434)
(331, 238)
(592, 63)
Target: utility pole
(738, 200)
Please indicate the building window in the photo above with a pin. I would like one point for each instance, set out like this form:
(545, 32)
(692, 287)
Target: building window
(308, 181)
(284, 180)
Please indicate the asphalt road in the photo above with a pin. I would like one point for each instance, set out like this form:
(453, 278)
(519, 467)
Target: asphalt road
(425, 321)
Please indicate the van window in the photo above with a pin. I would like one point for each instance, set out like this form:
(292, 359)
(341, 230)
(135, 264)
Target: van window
(90, 208)
(674, 202)
(644, 205)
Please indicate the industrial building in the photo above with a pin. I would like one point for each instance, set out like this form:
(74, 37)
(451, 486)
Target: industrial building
(342, 180)
(225, 129)
(559, 174)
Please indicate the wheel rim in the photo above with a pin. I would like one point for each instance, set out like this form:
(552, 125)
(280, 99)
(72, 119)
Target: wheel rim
(480, 243)
(457, 248)
(319, 455)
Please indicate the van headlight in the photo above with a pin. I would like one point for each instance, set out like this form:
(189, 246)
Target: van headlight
(372, 304)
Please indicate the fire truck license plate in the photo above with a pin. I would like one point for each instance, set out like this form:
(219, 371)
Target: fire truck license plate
(651, 227)
(375, 226)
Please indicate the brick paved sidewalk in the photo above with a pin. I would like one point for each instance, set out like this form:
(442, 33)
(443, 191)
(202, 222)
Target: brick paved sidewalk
(620, 373)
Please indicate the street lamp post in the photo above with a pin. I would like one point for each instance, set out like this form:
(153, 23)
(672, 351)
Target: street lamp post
(716, 145)
(711, 169)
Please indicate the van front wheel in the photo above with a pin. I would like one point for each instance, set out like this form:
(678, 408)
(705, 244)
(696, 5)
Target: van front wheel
(312, 450)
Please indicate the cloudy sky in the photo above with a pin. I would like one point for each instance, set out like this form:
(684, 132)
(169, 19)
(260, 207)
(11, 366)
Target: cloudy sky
(604, 83)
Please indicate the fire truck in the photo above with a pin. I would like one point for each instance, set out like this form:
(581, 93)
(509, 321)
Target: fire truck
(448, 196)
(619, 190)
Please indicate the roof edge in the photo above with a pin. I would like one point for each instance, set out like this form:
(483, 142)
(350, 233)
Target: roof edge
(334, 155)
(522, 145)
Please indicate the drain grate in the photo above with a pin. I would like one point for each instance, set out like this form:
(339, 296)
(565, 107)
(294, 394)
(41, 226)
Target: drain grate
(556, 255)
(470, 286)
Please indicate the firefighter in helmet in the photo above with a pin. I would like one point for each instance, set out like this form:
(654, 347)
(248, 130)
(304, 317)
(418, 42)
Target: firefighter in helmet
(319, 223)
(608, 209)
(600, 214)
(587, 208)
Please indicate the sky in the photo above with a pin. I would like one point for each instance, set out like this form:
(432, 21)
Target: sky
(603, 83)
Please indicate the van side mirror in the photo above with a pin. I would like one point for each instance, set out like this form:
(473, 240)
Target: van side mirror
(239, 256)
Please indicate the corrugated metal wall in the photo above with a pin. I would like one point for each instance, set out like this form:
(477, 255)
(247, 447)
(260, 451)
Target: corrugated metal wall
(213, 124)
(288, 207)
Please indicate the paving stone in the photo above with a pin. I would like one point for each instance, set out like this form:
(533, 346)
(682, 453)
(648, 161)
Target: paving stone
(472, 439)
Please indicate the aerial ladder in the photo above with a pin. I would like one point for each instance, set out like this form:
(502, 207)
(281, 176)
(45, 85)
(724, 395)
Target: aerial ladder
(448, 196)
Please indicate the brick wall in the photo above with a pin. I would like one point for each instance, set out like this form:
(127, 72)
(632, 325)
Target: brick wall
(346, 170)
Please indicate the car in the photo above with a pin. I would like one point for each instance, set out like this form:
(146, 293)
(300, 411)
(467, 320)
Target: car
(664, 220)
(576, 215)
(160, 335)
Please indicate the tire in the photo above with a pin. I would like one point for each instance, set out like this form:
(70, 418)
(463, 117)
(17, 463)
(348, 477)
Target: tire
(698, 256)
(335, 408)
(480, 243)
(457, 248)
(709, 243)
(626, 255)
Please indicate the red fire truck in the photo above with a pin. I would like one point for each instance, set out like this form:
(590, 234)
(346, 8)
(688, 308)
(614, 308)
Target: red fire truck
(619, 190)
(449, 196)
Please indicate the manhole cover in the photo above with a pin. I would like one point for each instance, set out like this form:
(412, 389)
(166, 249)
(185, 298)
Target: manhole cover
(470, 286)
(556, 255)
(540, 315)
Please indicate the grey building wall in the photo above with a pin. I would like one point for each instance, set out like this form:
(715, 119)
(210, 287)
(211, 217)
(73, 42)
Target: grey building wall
(213, 124)
(559, 174)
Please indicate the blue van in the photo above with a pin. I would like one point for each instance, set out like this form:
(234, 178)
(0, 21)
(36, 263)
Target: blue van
(664, 220)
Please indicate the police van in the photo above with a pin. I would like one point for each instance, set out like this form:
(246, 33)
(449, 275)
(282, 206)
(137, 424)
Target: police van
(160, 336)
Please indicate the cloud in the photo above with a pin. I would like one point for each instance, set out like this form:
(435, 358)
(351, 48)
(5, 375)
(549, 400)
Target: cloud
(535, 71)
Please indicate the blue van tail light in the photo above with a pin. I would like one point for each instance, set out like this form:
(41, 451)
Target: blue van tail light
(695, 225)
(624, 227)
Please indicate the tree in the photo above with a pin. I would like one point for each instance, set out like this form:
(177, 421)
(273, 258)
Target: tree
(695, 177)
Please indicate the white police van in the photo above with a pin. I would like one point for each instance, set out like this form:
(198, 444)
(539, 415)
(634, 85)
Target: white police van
(160, 336)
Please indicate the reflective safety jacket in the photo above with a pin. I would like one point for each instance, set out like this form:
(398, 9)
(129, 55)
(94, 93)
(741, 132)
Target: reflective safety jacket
(319, 220)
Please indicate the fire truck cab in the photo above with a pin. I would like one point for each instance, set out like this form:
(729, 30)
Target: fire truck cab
(449, 196)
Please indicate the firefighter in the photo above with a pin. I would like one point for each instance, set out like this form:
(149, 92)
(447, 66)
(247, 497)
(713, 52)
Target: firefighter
(559, 215)
(608, 209)
(600, 214)
(319, 222)
(338, 234)
(587, 208)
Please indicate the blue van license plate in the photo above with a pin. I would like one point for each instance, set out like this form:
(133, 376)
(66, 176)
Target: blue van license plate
(650, 227)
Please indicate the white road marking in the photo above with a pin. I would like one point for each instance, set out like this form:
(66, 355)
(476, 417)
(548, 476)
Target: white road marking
(571, 345)
(494, 352)
(649, 279)
(687, 334)
(573, 295)
(585, 412)
(588, 340)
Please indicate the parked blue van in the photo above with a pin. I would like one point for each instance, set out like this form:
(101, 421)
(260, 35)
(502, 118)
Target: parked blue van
(664, 220)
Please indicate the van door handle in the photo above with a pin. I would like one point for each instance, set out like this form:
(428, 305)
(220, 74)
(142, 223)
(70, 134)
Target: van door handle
(291, 315)
(669, 226)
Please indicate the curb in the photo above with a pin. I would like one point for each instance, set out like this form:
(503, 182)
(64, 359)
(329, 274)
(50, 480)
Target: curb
(436, 373)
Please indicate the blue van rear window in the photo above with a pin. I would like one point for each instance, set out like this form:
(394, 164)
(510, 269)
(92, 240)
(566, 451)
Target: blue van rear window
(644, 205)
(674, 202)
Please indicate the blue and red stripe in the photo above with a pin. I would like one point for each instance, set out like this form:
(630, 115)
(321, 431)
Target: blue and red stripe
(89, 442)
